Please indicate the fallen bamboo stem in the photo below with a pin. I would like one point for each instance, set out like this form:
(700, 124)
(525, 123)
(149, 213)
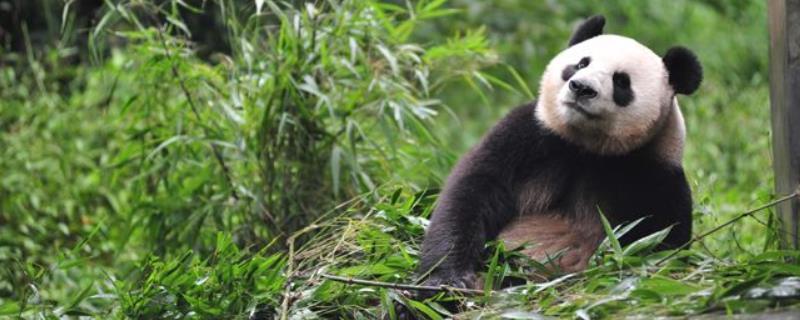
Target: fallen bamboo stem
(402, 286)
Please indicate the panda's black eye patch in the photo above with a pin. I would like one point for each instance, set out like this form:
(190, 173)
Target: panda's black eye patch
(583, 63)
(623, 94)
(570, 70)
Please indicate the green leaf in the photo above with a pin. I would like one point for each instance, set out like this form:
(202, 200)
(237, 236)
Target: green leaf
(646, 243)
(80, 297)
(424, 309)
(493, 274)
(178, 23)
(521, 82)
(610, 235)
(667, 287)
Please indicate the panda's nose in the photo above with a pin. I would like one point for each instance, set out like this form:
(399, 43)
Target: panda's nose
(581, 90)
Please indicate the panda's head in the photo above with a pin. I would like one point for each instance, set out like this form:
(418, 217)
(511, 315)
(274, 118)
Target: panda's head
(610, 94)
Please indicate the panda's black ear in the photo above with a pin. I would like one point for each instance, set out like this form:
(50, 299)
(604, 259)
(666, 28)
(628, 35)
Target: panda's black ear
(588, 29)
(685, 71)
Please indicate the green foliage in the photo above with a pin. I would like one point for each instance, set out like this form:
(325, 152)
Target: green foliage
(146, 175)
(225, 284)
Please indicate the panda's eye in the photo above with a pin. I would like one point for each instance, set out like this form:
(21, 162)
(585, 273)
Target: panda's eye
(583, 63)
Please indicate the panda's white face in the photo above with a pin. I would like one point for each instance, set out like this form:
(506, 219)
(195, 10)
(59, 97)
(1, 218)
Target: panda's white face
(609, 94)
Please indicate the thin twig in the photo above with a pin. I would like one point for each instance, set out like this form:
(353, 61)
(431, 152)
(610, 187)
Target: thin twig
(729, 222)
(290, 272)
(217, 154)
(289, 279)
(402, 286)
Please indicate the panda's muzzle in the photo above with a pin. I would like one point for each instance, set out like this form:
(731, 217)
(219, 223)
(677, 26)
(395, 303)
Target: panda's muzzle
(577, 107)
(581, 90)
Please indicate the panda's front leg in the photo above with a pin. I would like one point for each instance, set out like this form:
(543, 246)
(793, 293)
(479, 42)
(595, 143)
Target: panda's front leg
(471, 211)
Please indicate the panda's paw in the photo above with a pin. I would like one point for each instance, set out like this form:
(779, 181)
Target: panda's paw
(461, 280)
(403, 313)
(445, 280)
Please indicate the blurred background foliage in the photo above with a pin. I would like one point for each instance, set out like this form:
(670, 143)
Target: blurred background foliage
(170, 158)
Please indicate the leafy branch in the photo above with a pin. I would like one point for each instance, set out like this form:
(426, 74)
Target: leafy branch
(190, 100)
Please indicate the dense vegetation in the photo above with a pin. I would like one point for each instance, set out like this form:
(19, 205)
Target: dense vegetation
(171, 159)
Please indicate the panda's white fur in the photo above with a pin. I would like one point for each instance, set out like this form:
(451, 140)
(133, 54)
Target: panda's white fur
(615, 130)
(668, 143)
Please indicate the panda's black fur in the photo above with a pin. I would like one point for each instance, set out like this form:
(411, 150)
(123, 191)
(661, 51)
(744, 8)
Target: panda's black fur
(522, 166)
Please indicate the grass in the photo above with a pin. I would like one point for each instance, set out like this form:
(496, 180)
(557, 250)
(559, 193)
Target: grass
(143, 177)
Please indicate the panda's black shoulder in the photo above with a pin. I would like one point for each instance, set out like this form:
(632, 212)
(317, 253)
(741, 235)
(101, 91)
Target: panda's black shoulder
(518, 139)
(519, 131)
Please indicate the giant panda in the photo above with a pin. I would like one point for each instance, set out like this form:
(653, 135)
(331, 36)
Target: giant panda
(605, 135)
